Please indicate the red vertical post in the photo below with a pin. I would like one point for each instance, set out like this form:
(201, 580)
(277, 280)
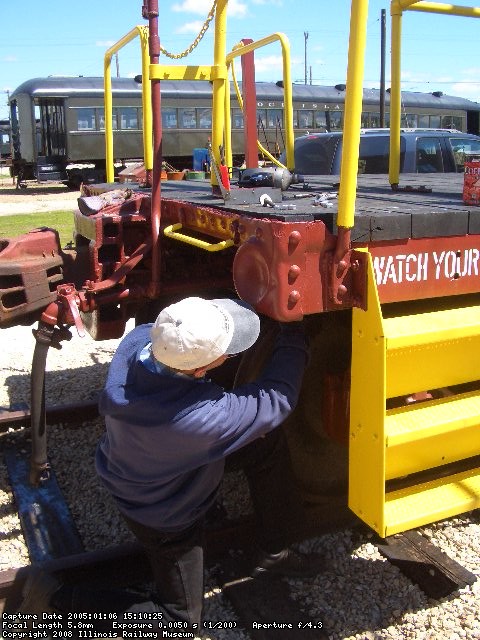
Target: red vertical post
(150, 12)
(249, 96)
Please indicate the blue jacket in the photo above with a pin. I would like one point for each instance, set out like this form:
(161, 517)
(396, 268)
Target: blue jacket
(167, 434)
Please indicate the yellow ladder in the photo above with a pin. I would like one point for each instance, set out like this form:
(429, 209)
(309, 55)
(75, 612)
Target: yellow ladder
(394, 357)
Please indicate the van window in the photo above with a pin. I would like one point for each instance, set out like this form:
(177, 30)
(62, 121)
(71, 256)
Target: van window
(429, 156)
(315, 155)
(461, 147)
(374, 154)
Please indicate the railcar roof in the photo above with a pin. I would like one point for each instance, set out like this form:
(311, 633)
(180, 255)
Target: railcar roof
(56, 86)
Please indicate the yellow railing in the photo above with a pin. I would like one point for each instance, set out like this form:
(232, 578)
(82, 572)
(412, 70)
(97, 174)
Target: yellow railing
(217, 74)
(240, 50)
(142, 32)
(353, 113)
(397, 8)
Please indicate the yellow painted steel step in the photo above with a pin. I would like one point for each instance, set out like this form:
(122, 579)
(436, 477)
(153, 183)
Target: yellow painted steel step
(432, 327)
(431, 350)
(431, 434)
(397, 356)
(431, 501)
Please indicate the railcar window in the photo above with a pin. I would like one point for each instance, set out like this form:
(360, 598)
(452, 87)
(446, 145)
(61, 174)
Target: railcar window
(204, 118)
(335, 120)
(261, 118)
(409, 120)
(320, 120)
(274, 118)
(370, 120)
(452, 122)
(424, 121)
(237, 119)
(128, 117)
(461, 148)
(187, 118)
(101, 119)
(435, 122)
(305, 119)
(365, 120)
(86, 119)
(169, 118)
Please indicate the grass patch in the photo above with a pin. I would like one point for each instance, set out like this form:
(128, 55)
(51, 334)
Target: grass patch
(16, 224)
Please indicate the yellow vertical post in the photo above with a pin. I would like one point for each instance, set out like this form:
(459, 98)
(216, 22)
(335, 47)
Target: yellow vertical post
(353, 113)
(219, 80)
(395, 93)
(147, 123)
(107, 89)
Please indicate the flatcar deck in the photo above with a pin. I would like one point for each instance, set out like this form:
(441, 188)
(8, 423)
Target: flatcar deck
(425, 205)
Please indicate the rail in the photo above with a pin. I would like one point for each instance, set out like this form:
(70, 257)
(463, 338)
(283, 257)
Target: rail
(353, 113)
(397, 8)
(241, 50)
(142, 32)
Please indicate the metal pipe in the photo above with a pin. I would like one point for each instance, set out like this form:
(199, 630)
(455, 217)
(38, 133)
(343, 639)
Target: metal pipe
(438, 7)
(38, 458)
(154, 48)
(219, 76)
(353, 113)
(382, 66)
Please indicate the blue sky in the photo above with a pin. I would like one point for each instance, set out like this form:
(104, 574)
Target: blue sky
(61, 38)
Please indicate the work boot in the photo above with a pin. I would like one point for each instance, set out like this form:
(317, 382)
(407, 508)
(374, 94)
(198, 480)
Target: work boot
(288, 563)
(37, 592)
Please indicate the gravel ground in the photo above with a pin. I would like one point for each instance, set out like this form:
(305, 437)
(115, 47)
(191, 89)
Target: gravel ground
(360, 596)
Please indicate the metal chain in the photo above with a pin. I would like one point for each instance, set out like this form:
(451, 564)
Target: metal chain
(203, 31)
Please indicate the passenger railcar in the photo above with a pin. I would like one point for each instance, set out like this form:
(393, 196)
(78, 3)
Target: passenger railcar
(58, 123)
(5, 149)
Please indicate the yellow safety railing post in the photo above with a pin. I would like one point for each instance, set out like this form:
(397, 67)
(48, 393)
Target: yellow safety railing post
(142, 32)
(353, 113)
(219, 81)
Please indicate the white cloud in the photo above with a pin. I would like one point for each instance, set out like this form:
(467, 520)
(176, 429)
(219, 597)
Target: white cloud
(236, 8)
(267, 63)
(277, 3)
(190, 27)
(105, 43)
(470, 90)
(10, 58)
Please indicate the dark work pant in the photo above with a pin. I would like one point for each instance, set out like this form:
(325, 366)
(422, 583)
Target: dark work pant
(276, 501)
(177, 559)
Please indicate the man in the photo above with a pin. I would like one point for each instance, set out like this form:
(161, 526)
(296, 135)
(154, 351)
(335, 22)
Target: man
(169, 431)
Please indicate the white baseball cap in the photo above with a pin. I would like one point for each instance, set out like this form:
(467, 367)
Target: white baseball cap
(194, 332)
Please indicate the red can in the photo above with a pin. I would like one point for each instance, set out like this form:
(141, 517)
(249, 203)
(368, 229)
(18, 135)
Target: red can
(471, 180)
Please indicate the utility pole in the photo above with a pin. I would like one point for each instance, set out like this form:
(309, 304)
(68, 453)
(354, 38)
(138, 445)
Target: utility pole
(383, 21)
(305, 35)
(117, 65)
